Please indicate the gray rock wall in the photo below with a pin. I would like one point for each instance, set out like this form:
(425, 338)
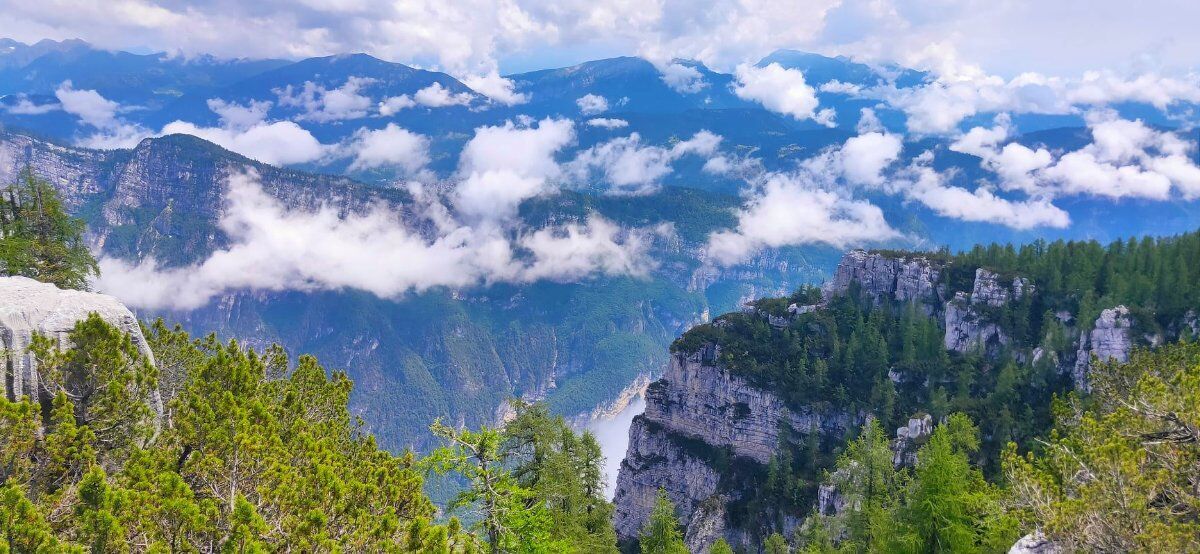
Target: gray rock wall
(1111, 338)
(699, 403)
(28, 306)
(880, 276)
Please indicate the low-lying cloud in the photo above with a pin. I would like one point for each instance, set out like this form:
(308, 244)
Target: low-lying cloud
(628, 166)
(790, 209)
(274, 248)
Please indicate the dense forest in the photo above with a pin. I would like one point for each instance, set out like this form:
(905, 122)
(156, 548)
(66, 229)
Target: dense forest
(887, 361)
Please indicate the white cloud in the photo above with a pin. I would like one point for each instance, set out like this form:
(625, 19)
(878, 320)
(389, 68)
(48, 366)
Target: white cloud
(87, 105)
(591, 104)
(390, 146)
(789, 210)
(101, 113)
(238, 116)
(981, 205)
(392, 105)
(864, 157)
(1125, 159)
(501, 166)
(324, 105)
(683, 79)
(777, 89)
(838, 87)
(497, 88)
(278, 143)
(437, 96)
(630, 167)
(25, 106)
(607, 122)
(1014, 163)
(273, 248)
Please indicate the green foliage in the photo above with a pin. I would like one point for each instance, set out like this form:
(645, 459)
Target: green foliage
(38, 239)
(941, 505)
(661, 535)
(720, 547)
(532, 486)
(254, 454)
(1119, 472)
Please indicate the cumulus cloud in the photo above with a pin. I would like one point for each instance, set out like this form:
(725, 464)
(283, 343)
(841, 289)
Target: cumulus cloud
(91, 108)
(25, 106)
(323, 105)
(88, 105)
(981, 205)
(277, 143)
(1125, 159)
(591, 104)
(273, 248)
(864, 157)
(239, 116)
(777, 89)
(497, 88)
(607, 122)
(391, 146)
(394, 104)
(501, 166)
(789, 210)
(630, 167)
(683, 79)
(437, 96)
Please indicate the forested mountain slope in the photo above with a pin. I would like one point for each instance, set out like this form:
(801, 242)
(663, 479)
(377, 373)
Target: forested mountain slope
(756, 405)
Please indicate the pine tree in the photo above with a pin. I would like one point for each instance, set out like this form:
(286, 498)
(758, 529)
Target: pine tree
(38, 239)
(661, 534)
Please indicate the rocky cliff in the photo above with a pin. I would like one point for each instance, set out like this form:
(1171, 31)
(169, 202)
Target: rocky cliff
(1111, 339)
(893, 277)
(701, 425)
(28, 306)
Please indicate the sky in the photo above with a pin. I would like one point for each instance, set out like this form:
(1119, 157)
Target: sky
(466, 37)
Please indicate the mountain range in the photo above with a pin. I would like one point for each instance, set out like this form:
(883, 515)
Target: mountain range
(460, 352)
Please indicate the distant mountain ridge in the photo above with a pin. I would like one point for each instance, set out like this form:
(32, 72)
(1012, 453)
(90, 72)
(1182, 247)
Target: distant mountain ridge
(457, 355)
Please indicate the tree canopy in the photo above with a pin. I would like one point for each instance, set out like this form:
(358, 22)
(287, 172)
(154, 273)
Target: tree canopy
(38, 239)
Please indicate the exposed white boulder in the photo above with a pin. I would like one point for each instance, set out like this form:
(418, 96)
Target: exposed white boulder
(28, 306)
(1034, 543)
(1111, 338)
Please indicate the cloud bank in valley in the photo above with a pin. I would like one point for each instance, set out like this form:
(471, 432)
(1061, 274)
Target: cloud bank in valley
(274, 248)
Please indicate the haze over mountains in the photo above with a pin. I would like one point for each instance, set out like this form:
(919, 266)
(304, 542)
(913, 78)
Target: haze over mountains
(548, 233)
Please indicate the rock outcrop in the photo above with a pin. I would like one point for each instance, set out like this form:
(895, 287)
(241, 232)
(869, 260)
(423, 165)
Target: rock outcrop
(28, 306)
(970, 321)
(910, 438)
(882, 276)
(1034, 543)
(1111, 338)
(698, 409)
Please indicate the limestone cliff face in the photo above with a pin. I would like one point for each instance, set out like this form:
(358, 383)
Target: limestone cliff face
(698, 408)
(28, 306)
(1111, 338)
(969, 321)
(904, 279)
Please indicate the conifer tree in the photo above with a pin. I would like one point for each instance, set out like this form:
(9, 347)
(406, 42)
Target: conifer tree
(661, 535)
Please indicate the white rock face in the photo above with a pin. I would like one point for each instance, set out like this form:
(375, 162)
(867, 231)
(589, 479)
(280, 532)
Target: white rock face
(28, 306)
(696, 408)
(1110, 339)
(1034, 543)
(903, 279)
(968, 326)
(967, 329)
(909, 439)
